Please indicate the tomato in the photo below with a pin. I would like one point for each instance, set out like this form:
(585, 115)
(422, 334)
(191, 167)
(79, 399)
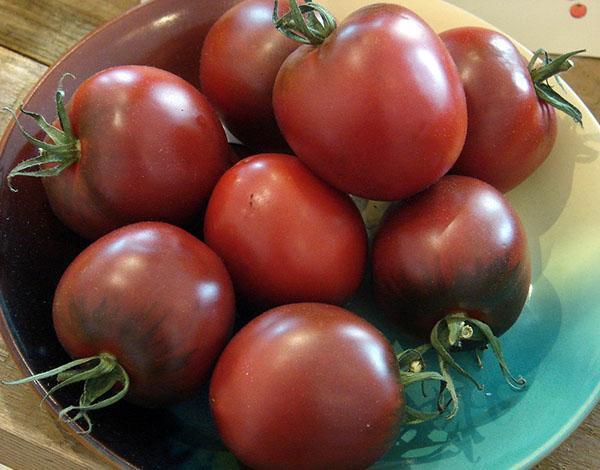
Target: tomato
(453, 255)
(146, 145)
(456, 247)
(378, 109)
(241, 56)
(511, 130)
(151, 304)
(284, 235)
(307, 386)
(578, 10)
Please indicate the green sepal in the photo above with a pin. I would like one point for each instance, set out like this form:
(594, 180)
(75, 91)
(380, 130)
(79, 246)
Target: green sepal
(301, 23)
(440, 341)
(518, 382)
(447, 384)
(550, 68)
(98, 381)
(449, 333)
(408, 376)
(62, 152)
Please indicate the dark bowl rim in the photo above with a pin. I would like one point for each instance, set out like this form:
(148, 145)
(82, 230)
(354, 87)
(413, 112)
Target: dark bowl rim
(87, 440)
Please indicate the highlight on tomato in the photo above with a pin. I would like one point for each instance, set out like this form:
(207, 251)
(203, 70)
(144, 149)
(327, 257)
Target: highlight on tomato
(374, 106)
(241, 55)
(134, 143)
(144, 311)
(284, 234)
(451, 265)
(312, 385)
(510, 105)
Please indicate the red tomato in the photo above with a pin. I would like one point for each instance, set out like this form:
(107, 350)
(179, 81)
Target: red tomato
(157, 299)
(579, 10)
(148, 147)
(511, 131)
(307, 386)
(457, 247)
(377, 110)
(240, 58)
(284, 235)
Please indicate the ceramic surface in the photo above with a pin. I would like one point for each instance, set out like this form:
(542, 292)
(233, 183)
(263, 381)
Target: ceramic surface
(554, 343)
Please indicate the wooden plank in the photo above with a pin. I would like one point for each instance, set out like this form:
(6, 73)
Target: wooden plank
(30, 437)
(582, 448)
(44, 29)
(17, 75)
(584, 78)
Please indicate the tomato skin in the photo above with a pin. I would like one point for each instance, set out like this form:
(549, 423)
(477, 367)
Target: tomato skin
(284, 235)
(378, 109)
(456, 247)
(307, 386)
(155, 297)
(152, 148)
(511, 131)
(240, 58)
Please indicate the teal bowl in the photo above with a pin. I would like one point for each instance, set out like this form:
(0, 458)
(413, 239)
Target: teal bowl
(555, 343)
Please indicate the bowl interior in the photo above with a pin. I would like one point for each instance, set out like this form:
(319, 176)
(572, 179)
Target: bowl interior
(554, 343)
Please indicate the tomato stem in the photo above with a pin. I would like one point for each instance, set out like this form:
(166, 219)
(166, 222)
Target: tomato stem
(446, 334)
(449, 385)
(308, 23)
(54, 157)
(412, 370)
(451, 332)
(98, 380)
(478, 357)
(517, 383)
(550, 68)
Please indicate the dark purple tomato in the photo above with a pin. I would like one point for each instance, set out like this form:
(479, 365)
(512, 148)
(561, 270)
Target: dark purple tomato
(511, 131)
(456, 248)
(284, 234)
(154, 297)
(377, 109)
(240, 58)
(145, 145)
(307, 386)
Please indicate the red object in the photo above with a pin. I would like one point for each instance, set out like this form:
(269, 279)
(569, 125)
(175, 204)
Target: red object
(457, 247)
(579, 10)
(307, 386)
(377, 110)
(284, 234)
(152, 148)
(156, 298)
(241, 56)
(511, 131)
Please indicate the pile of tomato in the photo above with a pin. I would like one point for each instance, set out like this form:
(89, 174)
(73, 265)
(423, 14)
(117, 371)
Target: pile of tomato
(379, 107)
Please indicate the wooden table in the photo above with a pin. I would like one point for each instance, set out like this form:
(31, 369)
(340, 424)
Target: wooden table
(33, 35)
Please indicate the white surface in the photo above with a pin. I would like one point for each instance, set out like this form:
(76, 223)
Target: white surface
(542, 23)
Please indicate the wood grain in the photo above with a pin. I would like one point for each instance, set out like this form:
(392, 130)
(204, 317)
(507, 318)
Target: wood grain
(17, 75)
(582, 448)
(44, 29)
(30, 437)
(34, 34)
(584, 78)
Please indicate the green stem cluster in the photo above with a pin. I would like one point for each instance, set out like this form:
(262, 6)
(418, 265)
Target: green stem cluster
(451, 332)
(53, 157)
(99, 374)
(549, 68)
(307, 23)
(412, 370)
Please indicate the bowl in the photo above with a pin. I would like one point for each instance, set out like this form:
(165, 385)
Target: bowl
(554, 343)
